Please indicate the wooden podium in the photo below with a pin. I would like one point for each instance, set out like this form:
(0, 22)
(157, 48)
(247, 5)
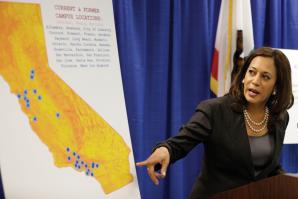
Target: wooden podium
(278, 187)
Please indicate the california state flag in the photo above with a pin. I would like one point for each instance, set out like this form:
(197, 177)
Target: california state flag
(234, 19)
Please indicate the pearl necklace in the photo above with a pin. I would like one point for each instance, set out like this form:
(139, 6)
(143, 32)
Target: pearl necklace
(261, 125)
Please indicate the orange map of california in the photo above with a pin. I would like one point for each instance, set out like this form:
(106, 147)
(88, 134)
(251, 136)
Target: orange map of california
(74, 133)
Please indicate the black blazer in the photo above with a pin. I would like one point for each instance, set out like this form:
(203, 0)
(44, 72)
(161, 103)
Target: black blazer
(227, 159)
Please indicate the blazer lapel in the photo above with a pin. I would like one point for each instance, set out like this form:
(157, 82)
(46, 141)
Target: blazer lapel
(240, 140)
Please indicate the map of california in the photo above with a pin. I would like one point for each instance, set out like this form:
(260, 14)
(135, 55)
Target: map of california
(74, 133)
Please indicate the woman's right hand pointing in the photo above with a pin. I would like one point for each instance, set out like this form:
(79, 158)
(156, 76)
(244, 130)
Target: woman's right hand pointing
(159, 156)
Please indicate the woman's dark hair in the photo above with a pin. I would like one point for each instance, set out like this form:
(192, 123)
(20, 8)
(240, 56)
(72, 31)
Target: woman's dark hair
(283, 99)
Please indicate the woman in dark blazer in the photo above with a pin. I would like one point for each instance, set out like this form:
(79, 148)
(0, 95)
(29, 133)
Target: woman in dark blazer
(242, 132)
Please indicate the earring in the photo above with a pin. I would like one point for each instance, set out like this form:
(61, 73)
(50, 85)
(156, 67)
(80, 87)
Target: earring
(274, 92)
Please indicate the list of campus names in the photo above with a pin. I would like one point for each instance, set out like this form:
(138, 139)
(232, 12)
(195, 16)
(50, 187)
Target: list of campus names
(78, 38)
(80, 46)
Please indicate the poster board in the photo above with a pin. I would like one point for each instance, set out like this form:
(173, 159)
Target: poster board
(63, 124)
(291, 136)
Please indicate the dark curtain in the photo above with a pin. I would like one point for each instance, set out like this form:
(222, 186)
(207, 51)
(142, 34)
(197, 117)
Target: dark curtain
(165, 49)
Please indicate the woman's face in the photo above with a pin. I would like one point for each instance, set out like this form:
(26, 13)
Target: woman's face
(259, 80)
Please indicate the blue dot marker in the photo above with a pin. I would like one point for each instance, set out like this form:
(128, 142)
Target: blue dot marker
(92, 164)
(96, 165)
(19, 96)
(34, 119)
(67, 149)
(82, 162)
(69, 158)
(57, 115)
(34, 91)
(31, 76)
(74, 153)
(86, 165)
(78, 156)
(87, 173)
(39, 97)
(32, 71)
(25, 92)
(92, 174)
(28, 105)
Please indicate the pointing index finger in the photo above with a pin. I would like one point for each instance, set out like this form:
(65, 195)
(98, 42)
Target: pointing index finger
(141, 164)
